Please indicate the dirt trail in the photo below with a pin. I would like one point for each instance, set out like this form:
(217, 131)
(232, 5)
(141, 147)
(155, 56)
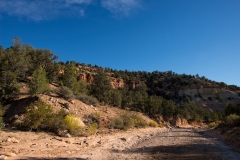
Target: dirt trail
(148, 143)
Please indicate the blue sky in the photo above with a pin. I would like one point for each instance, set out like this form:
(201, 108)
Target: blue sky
(185, 36)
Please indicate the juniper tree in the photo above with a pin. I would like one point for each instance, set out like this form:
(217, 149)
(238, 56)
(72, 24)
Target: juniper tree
(39, 82)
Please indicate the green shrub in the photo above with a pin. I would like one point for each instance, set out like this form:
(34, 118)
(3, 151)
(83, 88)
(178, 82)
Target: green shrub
(39, 83)
(95, 117)
(233, 119)
(2, 112)
(40, 116)
(161, 124)
(153, 124)
(218, 96)
(1, 123)
(138, 121)
(73, 124)
(92, 129)
(118, 123)
(88, 99)
(65, 92)
(128, 120)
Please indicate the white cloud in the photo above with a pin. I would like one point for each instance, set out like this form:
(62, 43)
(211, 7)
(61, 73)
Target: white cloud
(124, 7)
(42, 9)
(48, 9)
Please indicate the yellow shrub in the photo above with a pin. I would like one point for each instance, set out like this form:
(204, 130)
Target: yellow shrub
(128, 120)
(92, 128)
(73, 124)
(153, 124)
(161, 124)
(212, 124)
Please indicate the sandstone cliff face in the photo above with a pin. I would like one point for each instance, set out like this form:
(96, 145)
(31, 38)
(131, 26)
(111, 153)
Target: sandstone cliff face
(192, 91)
(120, 83)
(86, 77)
(211, 97)
(117, 83)
(132, 85)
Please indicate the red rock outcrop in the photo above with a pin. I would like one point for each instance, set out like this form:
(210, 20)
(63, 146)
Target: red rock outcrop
(117, 83)
(132, 85)
(86, 78)
(82, 77)
(89, 78)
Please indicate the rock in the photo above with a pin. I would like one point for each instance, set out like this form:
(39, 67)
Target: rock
(69, 142)
(123, 139)
(34, 144)
(3, 157)
(72, 101)
(89, 78)
(66, 106)
(13, 140)
(68, 152)
(10, 154)
(84, 143)
(68, 135)
(63, 134)
(86, 77)
(59, 139)
(66, 110)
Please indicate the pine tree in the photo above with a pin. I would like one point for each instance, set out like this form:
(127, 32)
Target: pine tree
(101, 87)
(39, 82)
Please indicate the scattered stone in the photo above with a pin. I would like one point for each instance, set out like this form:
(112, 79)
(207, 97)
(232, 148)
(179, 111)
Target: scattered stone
(59, 139)
(3, 157)
(10, 154)
(63, 134)
(69, 142)
(84, 143)
(34, 144)
(72, 101)
(66, 106)
(14, 150)
(68, 135)
(123, 139)
(13, 140)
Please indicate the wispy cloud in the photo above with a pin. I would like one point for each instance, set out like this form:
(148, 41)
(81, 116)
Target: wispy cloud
(44, 9)
(48, 9)
(122, 7)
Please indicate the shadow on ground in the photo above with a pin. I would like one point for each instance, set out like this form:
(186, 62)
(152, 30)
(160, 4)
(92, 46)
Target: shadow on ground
(196, 151)
(39, 158)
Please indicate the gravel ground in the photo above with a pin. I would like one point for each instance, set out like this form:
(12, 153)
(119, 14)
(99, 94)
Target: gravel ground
(139, 144)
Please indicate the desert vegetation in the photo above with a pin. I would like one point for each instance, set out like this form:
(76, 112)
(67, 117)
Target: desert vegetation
(152, 93)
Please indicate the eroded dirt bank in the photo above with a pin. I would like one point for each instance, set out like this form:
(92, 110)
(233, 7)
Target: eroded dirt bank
(148, 143)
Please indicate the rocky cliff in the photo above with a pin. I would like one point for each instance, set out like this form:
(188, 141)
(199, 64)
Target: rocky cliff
(212, 97)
